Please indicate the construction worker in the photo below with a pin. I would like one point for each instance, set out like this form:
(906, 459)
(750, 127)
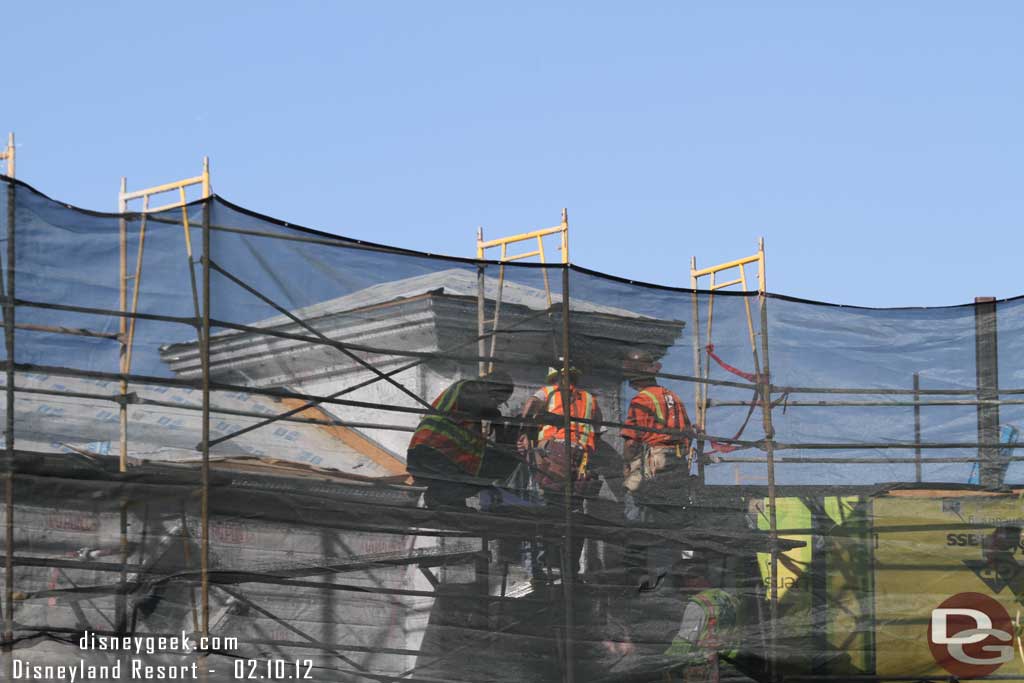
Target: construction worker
(650, 453)
(546, 404)
(449, 453)
(552, 466)
(709, 629)
(656, 473)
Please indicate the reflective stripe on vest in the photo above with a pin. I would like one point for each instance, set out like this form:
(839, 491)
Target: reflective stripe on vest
(459, 442)
(668, 416)
(719, 628)
(661, 407)
(659, 414)
(581, 433)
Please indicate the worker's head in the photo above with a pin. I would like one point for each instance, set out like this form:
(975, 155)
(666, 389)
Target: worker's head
(499, 386)
(693, 570)
(640, 366)
(555, 374)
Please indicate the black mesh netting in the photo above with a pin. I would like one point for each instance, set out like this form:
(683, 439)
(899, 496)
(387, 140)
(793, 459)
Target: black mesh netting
(342, 461)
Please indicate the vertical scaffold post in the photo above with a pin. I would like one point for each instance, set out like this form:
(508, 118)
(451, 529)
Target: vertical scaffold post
(764, 385)
(481, 303)
(564, 233)
(9, 428)
(122, 327)
(483, 563)
(917, 427)
(124, 351)
(986, 357)
(121, 618)
(205, 178)
(8, 155)
(697, 444)
(482, 566)
(568, 553)
(205, 358)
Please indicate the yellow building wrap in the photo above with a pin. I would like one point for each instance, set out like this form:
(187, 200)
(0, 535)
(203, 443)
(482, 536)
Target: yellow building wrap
(942, 551)
(791, 513)
(831, 632)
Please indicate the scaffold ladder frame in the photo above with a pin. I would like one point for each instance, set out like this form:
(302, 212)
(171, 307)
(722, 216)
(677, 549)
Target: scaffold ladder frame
(762, 376)
(701, 359)
(503, 243)
(127, 339)
(128, 317)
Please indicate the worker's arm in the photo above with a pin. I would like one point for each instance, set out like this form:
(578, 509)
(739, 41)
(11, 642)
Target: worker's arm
(685, 644)
(535, 405)
(632, 447)
(607, 462)
(687, 426)
(503, 433)
(477, 405)
(632, 451)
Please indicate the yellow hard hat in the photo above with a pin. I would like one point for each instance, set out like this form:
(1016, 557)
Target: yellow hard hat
(554, 373)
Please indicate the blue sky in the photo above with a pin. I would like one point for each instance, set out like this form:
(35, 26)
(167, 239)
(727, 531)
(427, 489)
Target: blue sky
(877, 146)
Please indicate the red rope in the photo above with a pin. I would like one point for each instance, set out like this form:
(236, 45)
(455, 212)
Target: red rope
(750, 377)
(717, 447)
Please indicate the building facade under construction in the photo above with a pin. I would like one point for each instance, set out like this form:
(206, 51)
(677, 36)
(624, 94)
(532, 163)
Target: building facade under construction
(208, 411)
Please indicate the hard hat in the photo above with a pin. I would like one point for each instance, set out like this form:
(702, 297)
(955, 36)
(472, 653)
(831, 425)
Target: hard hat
(556, 372)
(640, 364)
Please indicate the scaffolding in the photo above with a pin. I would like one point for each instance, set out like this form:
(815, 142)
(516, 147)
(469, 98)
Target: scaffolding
(8, 155)
(9, 327)
(761, 377)
(129, 313)
(503, 243)
(345, 503)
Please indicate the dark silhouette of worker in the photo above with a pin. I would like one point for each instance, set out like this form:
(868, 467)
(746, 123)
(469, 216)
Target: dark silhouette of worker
(457, 451)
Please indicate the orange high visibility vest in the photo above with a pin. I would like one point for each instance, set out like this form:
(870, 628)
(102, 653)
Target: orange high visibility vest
(581, 434)
(668, 413)
(460, 442)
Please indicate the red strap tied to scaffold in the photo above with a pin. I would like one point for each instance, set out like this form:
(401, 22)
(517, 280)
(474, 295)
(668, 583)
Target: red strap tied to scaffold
(718, 447)
(749, 376)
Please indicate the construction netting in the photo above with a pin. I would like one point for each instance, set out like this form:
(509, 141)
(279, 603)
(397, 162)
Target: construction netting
(239, 449)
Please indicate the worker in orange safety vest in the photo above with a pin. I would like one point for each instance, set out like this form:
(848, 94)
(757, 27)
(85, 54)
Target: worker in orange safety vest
(552, 467)
(655, 467)
(660, 444)
(547, 405)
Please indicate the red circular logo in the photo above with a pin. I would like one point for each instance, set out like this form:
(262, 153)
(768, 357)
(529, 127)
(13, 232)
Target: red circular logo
(971, 635)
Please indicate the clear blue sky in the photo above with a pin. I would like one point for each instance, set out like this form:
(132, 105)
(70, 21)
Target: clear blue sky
(877, 146)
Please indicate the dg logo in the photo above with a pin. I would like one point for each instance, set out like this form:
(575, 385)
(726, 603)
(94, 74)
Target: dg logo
(971, 635)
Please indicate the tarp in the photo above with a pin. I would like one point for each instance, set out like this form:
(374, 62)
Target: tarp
(208, 419)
